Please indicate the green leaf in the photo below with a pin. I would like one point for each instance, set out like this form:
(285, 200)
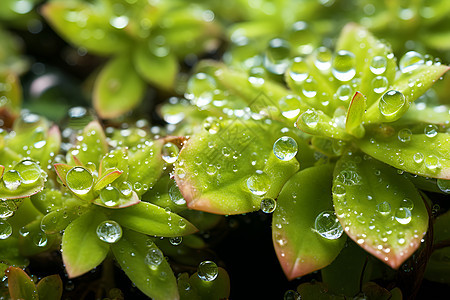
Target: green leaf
(212, 170)
(107, 179)
(300, 249)
(36, 241)
(52, 146)
(114, 160)
(152, 220)
(355, 115)
(82, 250)
(20, 285)
(414, 152)
(379, 209)
(118, 88)
(158, 70)
(9, 252)
(57, 220)
(157, 283)
(86, 25)
(47, 200)
(92, 146)
(412, 85)
(50, 288)
(61, 171)
(439, 263)
(146, 165)
(219, 288)
(316, 290)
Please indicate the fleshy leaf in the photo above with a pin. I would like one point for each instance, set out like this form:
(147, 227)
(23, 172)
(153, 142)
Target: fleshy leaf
(61, 171)
(114, 160)
(218, 288)
(355, 115)
(118, 88)
(57, 220)
(9, 252)
(379, 209)
(152, 220)
(92, 146)
(413, 152)
(20, 285)
(159, 70)
(300, 249)
(216, 172)
(65, 17)
(50, 288)
(82, 250)
(23, 180)
(157, 281)
(36, 241)
(2, 170)
(439, 263)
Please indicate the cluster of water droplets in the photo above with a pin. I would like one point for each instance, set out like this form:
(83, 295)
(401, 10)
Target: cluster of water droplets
(26, 172)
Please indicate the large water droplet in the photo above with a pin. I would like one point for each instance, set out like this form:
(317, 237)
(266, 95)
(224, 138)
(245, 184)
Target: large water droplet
(207, 270)
(298, 70)
(378, 65)
(5, 230)
(200, 89)
(404, 135)
(290, 106)
(109, 231)
(12, 180)
(403, 215)
(418, 158)
(258, 183)
(285, 148)
(444, 185)
(309, 88)
(110, 196)
(380, 84)
(126, 189)
(176, 240)
(322, 58)
(411, 61)
(384, 208)
(328, 226)
(212, 125)
(391, 103)
(79, 180)
(175, 194)
(310, 118)
(40, 239)
(343, 65)
(7, 208)
(154, 258)
(276, 58)
(407, 203)
(344, 92)
(29, 171)
(339, 190)
(431, 130)
(268, 205)
(170, 153)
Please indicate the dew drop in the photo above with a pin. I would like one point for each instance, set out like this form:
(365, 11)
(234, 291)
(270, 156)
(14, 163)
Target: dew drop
(384, 208)
(276, 58)
(343, 65)
(176, 240)
(200, 89)
(444, 185)
(12, 180)
(285, 148)
(211, 125)
(404, 135)
(391, 103)
(430, 130)
(175, 194)
(432, 163)
(298, 70)
(40, 239)
(268, 205)
(410, 61)
(79, 180)
(154, 258)
(322, 58)
(378, 65)
(29, 171)
(403, 215)
(309, 88)
(379, 84)
(328, 226)
(207, 270)
(344, 92)
(126, 189)
(290, 106)
(418, 158)
(109, 231)
(170, 153)
(110, 196)
(407, 203)
(310, 118)
(339, 190)
(258, 183)
(5, 230)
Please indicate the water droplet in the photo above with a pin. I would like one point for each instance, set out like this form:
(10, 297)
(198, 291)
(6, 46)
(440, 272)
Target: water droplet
(79, 180)
(298, 70)
(328, 226)
(119, 22)
(290, 106)
(176, 240)
(322, 58)
(444, 185)
(411, 61)
(418, 158)
(258, 183)
(404, 135)
(309, 88)
(380, 84)
(212, 125)
(200, 89)
(432, 163)
(126, 189)
(170, 153)
(268, 205)
(110, 196)
(109, 231)
(310, 118)
(276, 58)
(391, 103)
(5, 230)
(40, 239)
(343, 65)
(12, 180)
(7, 208)
(431, 130)
(384, 208)
(154, 258)
(403, 215)
(344, 92)
(339, 190)
(378, 65)
(285, 148)
(407, 203)
(175, 194)
(207, 270)
(291, 295)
